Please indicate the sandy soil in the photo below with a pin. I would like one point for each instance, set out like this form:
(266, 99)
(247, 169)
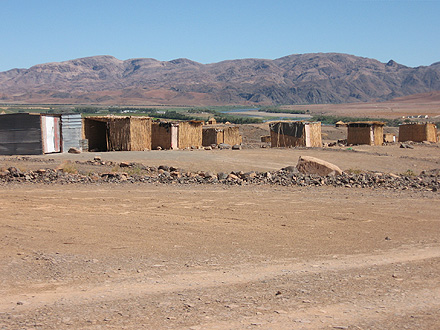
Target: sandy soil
(389, 159)
(162, 257)
(134, 256)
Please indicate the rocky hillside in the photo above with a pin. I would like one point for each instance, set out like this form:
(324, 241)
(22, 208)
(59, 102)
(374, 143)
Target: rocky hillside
(294, 79)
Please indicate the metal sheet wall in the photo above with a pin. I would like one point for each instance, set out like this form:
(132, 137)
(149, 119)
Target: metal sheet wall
(20, 134)
(71, 130)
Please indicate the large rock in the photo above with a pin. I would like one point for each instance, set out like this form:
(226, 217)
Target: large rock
(312, 165)
(74, 151)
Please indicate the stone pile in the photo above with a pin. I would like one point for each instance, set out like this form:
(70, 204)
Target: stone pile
(289, 176)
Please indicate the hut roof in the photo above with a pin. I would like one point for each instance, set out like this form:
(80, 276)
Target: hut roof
(366, 123)
(294, 122)
(104, 118)
(417, 123)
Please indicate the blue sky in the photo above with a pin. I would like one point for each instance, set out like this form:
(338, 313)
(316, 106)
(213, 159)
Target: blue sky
(40, 31)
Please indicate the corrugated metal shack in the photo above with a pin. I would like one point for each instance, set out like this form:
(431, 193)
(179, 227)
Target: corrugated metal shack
(29, 134)
(295, 134)
(221, 134)
(71, 131)
(117, 133)
(418, 132)
(365, 132)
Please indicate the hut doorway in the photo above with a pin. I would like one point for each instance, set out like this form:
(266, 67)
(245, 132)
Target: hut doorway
(50, 127)
(97, 133)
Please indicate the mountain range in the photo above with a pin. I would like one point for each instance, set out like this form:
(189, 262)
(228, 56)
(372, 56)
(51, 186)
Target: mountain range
(295, 79)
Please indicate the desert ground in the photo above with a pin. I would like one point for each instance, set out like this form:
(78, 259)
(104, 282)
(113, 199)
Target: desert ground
(170, 256)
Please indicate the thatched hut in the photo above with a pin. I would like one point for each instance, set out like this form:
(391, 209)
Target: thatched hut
(265, 138)
(365, 132)
(389, 138)
(212, 135)
(177, 135)
(117, 133)
(221, 134)
(164, 135)
(190, 134)
(418, 132)
(211, 121)
(340, 123)
(295, 134)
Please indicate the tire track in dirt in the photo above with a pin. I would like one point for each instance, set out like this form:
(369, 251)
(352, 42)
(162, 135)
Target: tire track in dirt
(129, 287)
(338, 316)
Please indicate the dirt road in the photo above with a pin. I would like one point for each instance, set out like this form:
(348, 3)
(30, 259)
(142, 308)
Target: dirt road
(208, 257)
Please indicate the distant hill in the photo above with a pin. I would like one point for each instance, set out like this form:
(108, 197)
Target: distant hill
(294, 79)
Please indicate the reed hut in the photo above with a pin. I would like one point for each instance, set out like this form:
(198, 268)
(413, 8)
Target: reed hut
(265, 138)
(211, 121)
(340, 124)
(177, 135)
(418, 132)
(212, 135)
(365, 132)
(164, 135)
(117, 133)
(190, 134)
(221, 134)
(389, 138)
(295, 134)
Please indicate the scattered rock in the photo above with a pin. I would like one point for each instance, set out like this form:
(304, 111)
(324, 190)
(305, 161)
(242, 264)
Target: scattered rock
(224, 146)
(433, 172)
(288, 176)
(222, 176)
(406, 145)
(4, 173)
(176, 174)
(210, 175)
(124, 164)
(291, 169)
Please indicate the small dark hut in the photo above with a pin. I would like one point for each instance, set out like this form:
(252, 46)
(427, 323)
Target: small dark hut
(295, 134)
